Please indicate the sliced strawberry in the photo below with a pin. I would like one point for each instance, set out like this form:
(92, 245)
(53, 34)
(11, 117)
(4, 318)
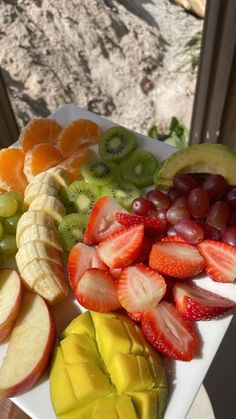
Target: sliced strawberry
(155, 225)
(169, 333)
(143, 255)
(122, 248)
(220, 260)
(169, 286)
(136, 317)
(176, 259)
(102, 222)
(96, 290)
(196, 303)
(174, 238)
(115, 273)
(81, 258)
(140, 287)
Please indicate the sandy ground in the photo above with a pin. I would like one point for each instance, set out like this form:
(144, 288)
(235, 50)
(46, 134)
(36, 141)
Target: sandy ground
(117, 58)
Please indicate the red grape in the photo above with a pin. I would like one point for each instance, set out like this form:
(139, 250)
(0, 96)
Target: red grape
(175, 214)
(230, 197)
(229, 235)
(189, 230)
(181, 201)
(219, 214)
(160, 213)
(198, 202)
(171, 231)
(200, 177)
(142, 206)
(232, 219)
(159, 199)
(184, 183)
(215, 186)
(172, 194)
(210, 232)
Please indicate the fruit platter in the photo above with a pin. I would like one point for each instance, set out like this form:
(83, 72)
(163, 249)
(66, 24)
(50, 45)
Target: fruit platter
(119, 262)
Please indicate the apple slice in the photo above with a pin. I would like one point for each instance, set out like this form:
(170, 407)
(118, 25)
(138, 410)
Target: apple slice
(10, 300)
(30, 346)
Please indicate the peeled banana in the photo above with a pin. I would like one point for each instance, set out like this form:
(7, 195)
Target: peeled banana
(46, 279)
(39, 256)
(45, 178)
(36, 250)
(30, 218)
(49, 204)
(36, 233)
(35, 190)
(60, 176)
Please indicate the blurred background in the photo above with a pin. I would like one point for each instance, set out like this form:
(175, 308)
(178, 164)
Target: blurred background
(133, 61)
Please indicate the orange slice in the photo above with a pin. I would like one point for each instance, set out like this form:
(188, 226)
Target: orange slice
(74, 162)
(38, 131)
(12, 177)
(76, 134)
(40, 158)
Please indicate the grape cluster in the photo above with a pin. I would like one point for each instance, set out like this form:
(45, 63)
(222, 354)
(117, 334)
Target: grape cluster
(10, 212)
(198, 206)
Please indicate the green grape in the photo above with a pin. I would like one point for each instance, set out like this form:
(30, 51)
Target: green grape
(1, 260)
(8, 245)
(18, 197)
(1, 228)
(10, 224)
(8, 205)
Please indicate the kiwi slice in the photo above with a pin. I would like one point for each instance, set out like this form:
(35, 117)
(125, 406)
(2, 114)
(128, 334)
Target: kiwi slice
(71, 230)
(139, 168)
(123, 192)
(100, 172)
(64, 198)
(116, 143)
(80, 197)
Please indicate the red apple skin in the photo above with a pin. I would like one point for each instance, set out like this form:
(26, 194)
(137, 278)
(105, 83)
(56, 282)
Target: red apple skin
(28, 382)
(7, 326)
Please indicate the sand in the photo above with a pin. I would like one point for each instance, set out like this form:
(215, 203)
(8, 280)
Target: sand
(120, 59)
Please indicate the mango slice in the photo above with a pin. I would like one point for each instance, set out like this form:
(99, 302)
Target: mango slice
(104, 368)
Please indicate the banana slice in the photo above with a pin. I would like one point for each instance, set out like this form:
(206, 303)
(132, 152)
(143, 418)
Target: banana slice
(47, 178)
(50, 205)
(30, 218)
(35, 190)
(60, 175)
(36, 251)
(36, 233)
(46, 279)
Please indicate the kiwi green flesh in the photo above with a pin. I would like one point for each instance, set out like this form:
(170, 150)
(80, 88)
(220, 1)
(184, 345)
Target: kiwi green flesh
(64, 198)
(100, 172)
(139, 168)
(124, 193)
(199, 158)
(71, 230)
(81, 197)
(116, 143)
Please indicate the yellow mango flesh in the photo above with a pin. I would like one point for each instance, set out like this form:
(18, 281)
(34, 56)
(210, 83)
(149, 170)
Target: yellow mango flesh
(104, 368)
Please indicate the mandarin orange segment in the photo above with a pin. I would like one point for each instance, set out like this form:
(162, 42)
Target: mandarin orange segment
(77, 134)
(12, 177)
(38, 131)
(74, 162)
(40, 158)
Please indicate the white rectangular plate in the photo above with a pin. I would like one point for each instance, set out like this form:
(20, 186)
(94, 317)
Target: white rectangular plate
(184, 378)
